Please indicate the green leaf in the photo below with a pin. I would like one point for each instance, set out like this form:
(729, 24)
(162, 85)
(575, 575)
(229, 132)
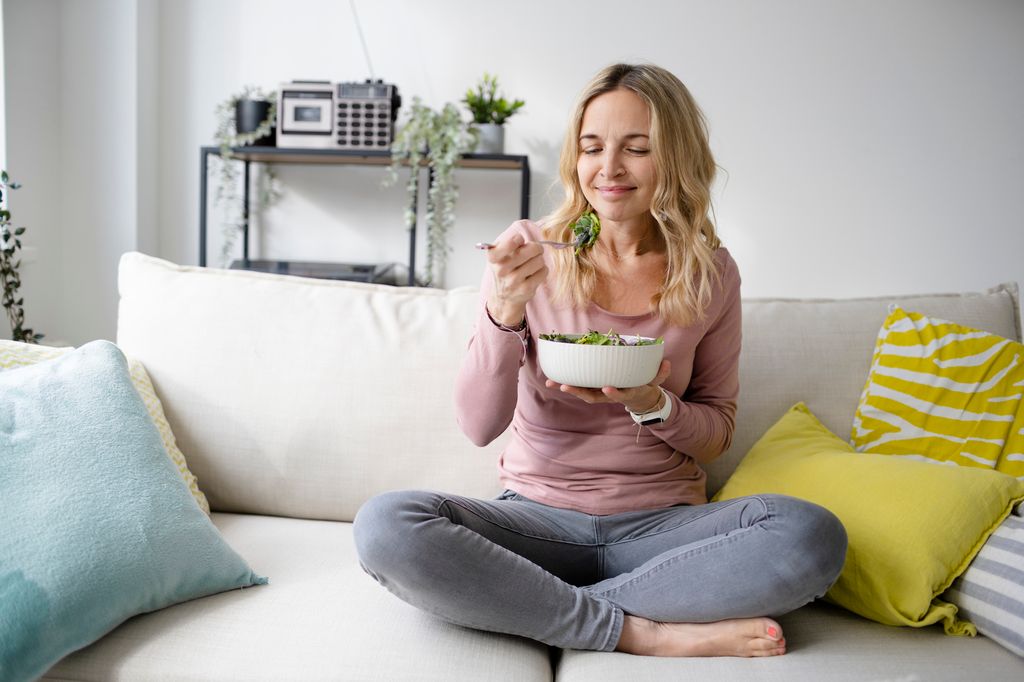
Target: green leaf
(585, 230)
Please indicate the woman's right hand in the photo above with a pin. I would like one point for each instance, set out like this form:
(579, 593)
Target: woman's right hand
(518, 269)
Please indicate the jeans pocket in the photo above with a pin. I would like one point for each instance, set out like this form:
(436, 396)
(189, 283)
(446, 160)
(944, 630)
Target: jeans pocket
(509, 496)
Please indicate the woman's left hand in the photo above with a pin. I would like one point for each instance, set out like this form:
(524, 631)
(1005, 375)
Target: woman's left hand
(638, 400)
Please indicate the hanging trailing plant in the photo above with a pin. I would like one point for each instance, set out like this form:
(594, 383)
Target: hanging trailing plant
(436, 139)
(10, 244)
(227, 136)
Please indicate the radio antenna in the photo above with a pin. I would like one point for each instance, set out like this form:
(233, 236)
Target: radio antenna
(362, 40)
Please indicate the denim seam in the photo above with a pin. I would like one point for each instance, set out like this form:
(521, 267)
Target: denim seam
(595, 529)
(511, 530)
(688, 521)
(678, 557)
(615, 633)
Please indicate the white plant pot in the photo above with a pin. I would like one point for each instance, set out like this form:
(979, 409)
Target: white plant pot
(491, 140)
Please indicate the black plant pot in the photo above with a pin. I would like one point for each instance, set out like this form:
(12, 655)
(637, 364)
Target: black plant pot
(249, 113)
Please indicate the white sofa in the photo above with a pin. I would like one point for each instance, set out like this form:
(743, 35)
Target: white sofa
(295, 400)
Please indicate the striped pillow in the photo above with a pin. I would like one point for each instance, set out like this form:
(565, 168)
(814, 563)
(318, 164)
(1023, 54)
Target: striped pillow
(990, 593)
(945, 393)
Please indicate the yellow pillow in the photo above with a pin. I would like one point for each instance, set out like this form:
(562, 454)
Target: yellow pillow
(913, 527)
(14, 354)
(943, 392)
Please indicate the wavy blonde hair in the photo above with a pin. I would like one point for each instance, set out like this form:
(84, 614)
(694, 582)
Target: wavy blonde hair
(685, 170)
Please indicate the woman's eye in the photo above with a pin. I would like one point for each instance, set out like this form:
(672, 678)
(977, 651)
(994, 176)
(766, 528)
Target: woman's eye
(638, 151)
(591, 150)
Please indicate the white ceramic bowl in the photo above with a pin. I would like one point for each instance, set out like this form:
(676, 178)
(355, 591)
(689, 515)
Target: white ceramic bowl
(598, 366)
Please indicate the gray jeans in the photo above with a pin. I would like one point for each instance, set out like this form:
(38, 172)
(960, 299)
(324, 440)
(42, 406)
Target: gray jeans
(567, 578)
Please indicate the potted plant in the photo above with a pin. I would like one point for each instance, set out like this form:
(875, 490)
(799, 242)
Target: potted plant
(245, 119)
(10, 279)
(490, 111)
(436, 139)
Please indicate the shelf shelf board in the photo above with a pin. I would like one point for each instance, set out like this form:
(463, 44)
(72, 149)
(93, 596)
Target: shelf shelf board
(351, 157)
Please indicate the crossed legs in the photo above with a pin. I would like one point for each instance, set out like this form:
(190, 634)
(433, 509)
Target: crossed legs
(682, 581)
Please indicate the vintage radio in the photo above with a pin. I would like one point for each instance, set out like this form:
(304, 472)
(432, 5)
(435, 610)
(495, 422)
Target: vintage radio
(366, 114)
(324, 115)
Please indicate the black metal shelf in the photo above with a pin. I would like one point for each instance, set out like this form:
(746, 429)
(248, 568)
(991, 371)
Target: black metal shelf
(342, 157)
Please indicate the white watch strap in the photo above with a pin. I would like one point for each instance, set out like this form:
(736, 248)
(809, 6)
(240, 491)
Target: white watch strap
(654, 416)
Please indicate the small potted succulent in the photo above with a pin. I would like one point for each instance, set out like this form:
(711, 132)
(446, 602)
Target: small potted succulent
(490, 111)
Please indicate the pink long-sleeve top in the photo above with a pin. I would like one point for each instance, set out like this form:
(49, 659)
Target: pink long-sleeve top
(566, 453)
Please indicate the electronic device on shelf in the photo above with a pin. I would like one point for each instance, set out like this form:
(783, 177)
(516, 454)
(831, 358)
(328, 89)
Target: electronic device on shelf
(374, 273)
(305, 114)
(366, 114)
(325, 115)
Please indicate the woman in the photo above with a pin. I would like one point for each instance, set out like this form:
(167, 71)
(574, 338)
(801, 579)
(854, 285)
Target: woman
(604, 538)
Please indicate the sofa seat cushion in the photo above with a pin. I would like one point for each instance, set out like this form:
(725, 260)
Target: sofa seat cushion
(320, 618)
(824, 642)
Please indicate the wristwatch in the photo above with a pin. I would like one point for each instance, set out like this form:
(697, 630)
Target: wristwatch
(656, 416)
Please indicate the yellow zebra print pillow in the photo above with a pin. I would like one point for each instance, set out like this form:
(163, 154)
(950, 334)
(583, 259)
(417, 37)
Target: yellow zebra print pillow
(15, 354)
(942, 392)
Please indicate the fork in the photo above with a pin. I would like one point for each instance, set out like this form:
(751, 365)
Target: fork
(557, 245)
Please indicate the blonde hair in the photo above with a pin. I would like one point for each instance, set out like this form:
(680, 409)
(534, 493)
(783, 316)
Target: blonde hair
(685, 170)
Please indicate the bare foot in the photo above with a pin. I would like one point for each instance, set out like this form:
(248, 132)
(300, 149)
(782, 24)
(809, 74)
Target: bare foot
(739, 637)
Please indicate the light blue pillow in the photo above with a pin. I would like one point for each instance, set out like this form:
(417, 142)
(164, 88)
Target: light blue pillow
(96, 525)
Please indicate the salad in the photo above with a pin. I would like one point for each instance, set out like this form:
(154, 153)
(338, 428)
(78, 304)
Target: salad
(593, 338)
(585, 231)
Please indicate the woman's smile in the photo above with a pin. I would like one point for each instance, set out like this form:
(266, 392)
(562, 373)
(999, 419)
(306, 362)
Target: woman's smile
(612, 191)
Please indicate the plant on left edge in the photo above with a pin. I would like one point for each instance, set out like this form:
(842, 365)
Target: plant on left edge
(10, 244)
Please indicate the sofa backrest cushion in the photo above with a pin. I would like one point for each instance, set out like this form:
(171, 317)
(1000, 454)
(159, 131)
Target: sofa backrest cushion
(303, 397)
(818, 351)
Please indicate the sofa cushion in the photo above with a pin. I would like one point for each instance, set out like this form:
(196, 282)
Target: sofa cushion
(96, 525)
(16, 354)
(913, 527)
(320, 618)
(943, 392)
(819, 351)
(823, 643)
(303, 397)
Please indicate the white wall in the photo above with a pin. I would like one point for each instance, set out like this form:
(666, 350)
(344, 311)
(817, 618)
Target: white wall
(32, 136)
(867, 148)
(72, 134)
